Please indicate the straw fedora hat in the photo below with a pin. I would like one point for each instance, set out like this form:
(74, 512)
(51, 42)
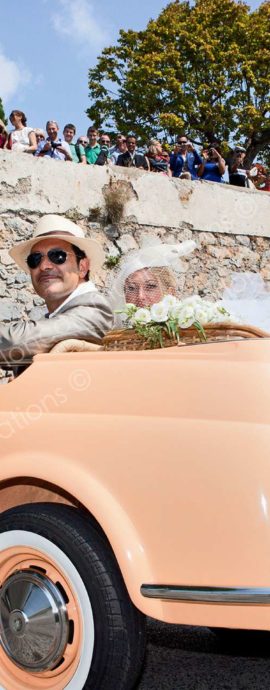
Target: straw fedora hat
(58, 227)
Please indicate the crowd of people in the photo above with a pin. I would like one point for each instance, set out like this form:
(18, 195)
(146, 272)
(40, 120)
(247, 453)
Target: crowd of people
(183, 161)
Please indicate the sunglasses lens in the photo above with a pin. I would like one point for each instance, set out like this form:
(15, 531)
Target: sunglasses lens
(57, 256)
(34, 259)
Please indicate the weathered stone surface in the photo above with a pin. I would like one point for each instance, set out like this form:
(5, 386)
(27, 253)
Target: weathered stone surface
(8, 310)
(5, 258)
(3, 273)
(112, 232)
(227, 240)
(22, 278)
(38, 301)
(207, 238)
(37, 312)
(242, 239)
(265, 273)
(126, 243)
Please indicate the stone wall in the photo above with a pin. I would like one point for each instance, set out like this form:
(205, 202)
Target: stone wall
(125, 209)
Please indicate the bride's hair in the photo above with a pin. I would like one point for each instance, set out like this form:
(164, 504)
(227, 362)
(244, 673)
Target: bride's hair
(166, 279)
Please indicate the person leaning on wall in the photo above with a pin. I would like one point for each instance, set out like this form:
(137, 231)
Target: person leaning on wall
(22, 139)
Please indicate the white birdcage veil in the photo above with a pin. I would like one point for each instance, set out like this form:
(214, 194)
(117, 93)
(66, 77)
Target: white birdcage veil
(166, 258)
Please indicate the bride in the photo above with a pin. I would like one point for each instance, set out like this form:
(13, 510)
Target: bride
(147, 275)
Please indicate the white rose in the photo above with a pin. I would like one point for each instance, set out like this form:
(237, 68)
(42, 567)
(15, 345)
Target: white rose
(170, 302)
(159, 312)
(142, 316)
(192, 300)
(186, 316)
(201, 314)
(128, 311)
(174, 311)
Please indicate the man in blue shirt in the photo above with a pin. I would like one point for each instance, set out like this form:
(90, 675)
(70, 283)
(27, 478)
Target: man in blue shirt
(54, 147)
(185, 160)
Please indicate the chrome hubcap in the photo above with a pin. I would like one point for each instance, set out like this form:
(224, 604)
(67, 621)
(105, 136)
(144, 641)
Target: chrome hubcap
(34, 626)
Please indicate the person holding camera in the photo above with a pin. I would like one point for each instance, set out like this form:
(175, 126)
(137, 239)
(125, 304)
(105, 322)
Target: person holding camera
(53, 147)
(104, 154)
(185, 160)
(213, 165)
(238, 174)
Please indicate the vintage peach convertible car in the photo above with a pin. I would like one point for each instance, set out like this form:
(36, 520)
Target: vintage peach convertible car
(132, 483)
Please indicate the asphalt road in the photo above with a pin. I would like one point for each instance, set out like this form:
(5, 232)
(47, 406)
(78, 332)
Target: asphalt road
(187, 658)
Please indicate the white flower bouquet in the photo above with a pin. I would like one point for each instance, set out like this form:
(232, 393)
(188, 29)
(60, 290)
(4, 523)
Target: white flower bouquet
(169, 317)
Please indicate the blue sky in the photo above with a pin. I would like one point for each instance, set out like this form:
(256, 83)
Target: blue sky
(46, 49)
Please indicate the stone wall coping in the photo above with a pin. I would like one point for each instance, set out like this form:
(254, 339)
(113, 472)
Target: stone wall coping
(38, 186)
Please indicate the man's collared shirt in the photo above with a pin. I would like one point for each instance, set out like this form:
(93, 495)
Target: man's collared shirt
(82, 289)
(114, 155)
(91, 153)
(54, 152)
(134, 159)
(77, 151)
(190, 162)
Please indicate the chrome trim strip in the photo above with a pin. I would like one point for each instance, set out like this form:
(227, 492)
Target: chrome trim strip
(208, 595)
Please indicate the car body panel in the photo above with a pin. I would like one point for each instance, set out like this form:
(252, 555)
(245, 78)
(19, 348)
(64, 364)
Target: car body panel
(169, 451)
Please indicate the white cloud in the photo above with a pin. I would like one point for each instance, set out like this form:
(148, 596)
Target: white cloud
(75, 19)
(13, 77)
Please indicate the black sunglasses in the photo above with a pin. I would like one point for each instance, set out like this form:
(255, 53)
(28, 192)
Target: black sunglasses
(56, 256)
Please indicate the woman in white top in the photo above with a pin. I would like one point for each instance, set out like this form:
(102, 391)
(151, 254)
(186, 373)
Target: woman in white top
(22, 138)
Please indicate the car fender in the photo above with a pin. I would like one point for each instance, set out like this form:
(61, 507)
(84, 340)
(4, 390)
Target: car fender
(87, 490)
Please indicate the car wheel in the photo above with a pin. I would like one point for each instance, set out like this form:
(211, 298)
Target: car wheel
(66, 619)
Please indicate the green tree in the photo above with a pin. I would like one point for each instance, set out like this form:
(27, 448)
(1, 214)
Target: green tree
(202, 67)
(2, 112)
(266, 157)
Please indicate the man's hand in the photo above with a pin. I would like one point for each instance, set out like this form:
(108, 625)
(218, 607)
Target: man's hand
(47, 146)
(63, 150)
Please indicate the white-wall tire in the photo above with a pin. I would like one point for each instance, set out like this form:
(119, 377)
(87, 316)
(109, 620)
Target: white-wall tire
(23, 538)
(110, 630)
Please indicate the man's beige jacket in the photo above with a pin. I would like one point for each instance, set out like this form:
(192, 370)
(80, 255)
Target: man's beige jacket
(86, 317)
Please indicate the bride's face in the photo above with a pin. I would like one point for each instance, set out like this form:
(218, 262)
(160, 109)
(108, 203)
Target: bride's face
(143, 288)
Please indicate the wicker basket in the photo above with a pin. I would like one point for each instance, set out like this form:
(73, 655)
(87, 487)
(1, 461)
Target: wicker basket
(128, 339)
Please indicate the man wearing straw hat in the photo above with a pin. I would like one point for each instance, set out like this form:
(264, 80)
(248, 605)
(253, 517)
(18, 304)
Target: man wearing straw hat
(58, 258)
